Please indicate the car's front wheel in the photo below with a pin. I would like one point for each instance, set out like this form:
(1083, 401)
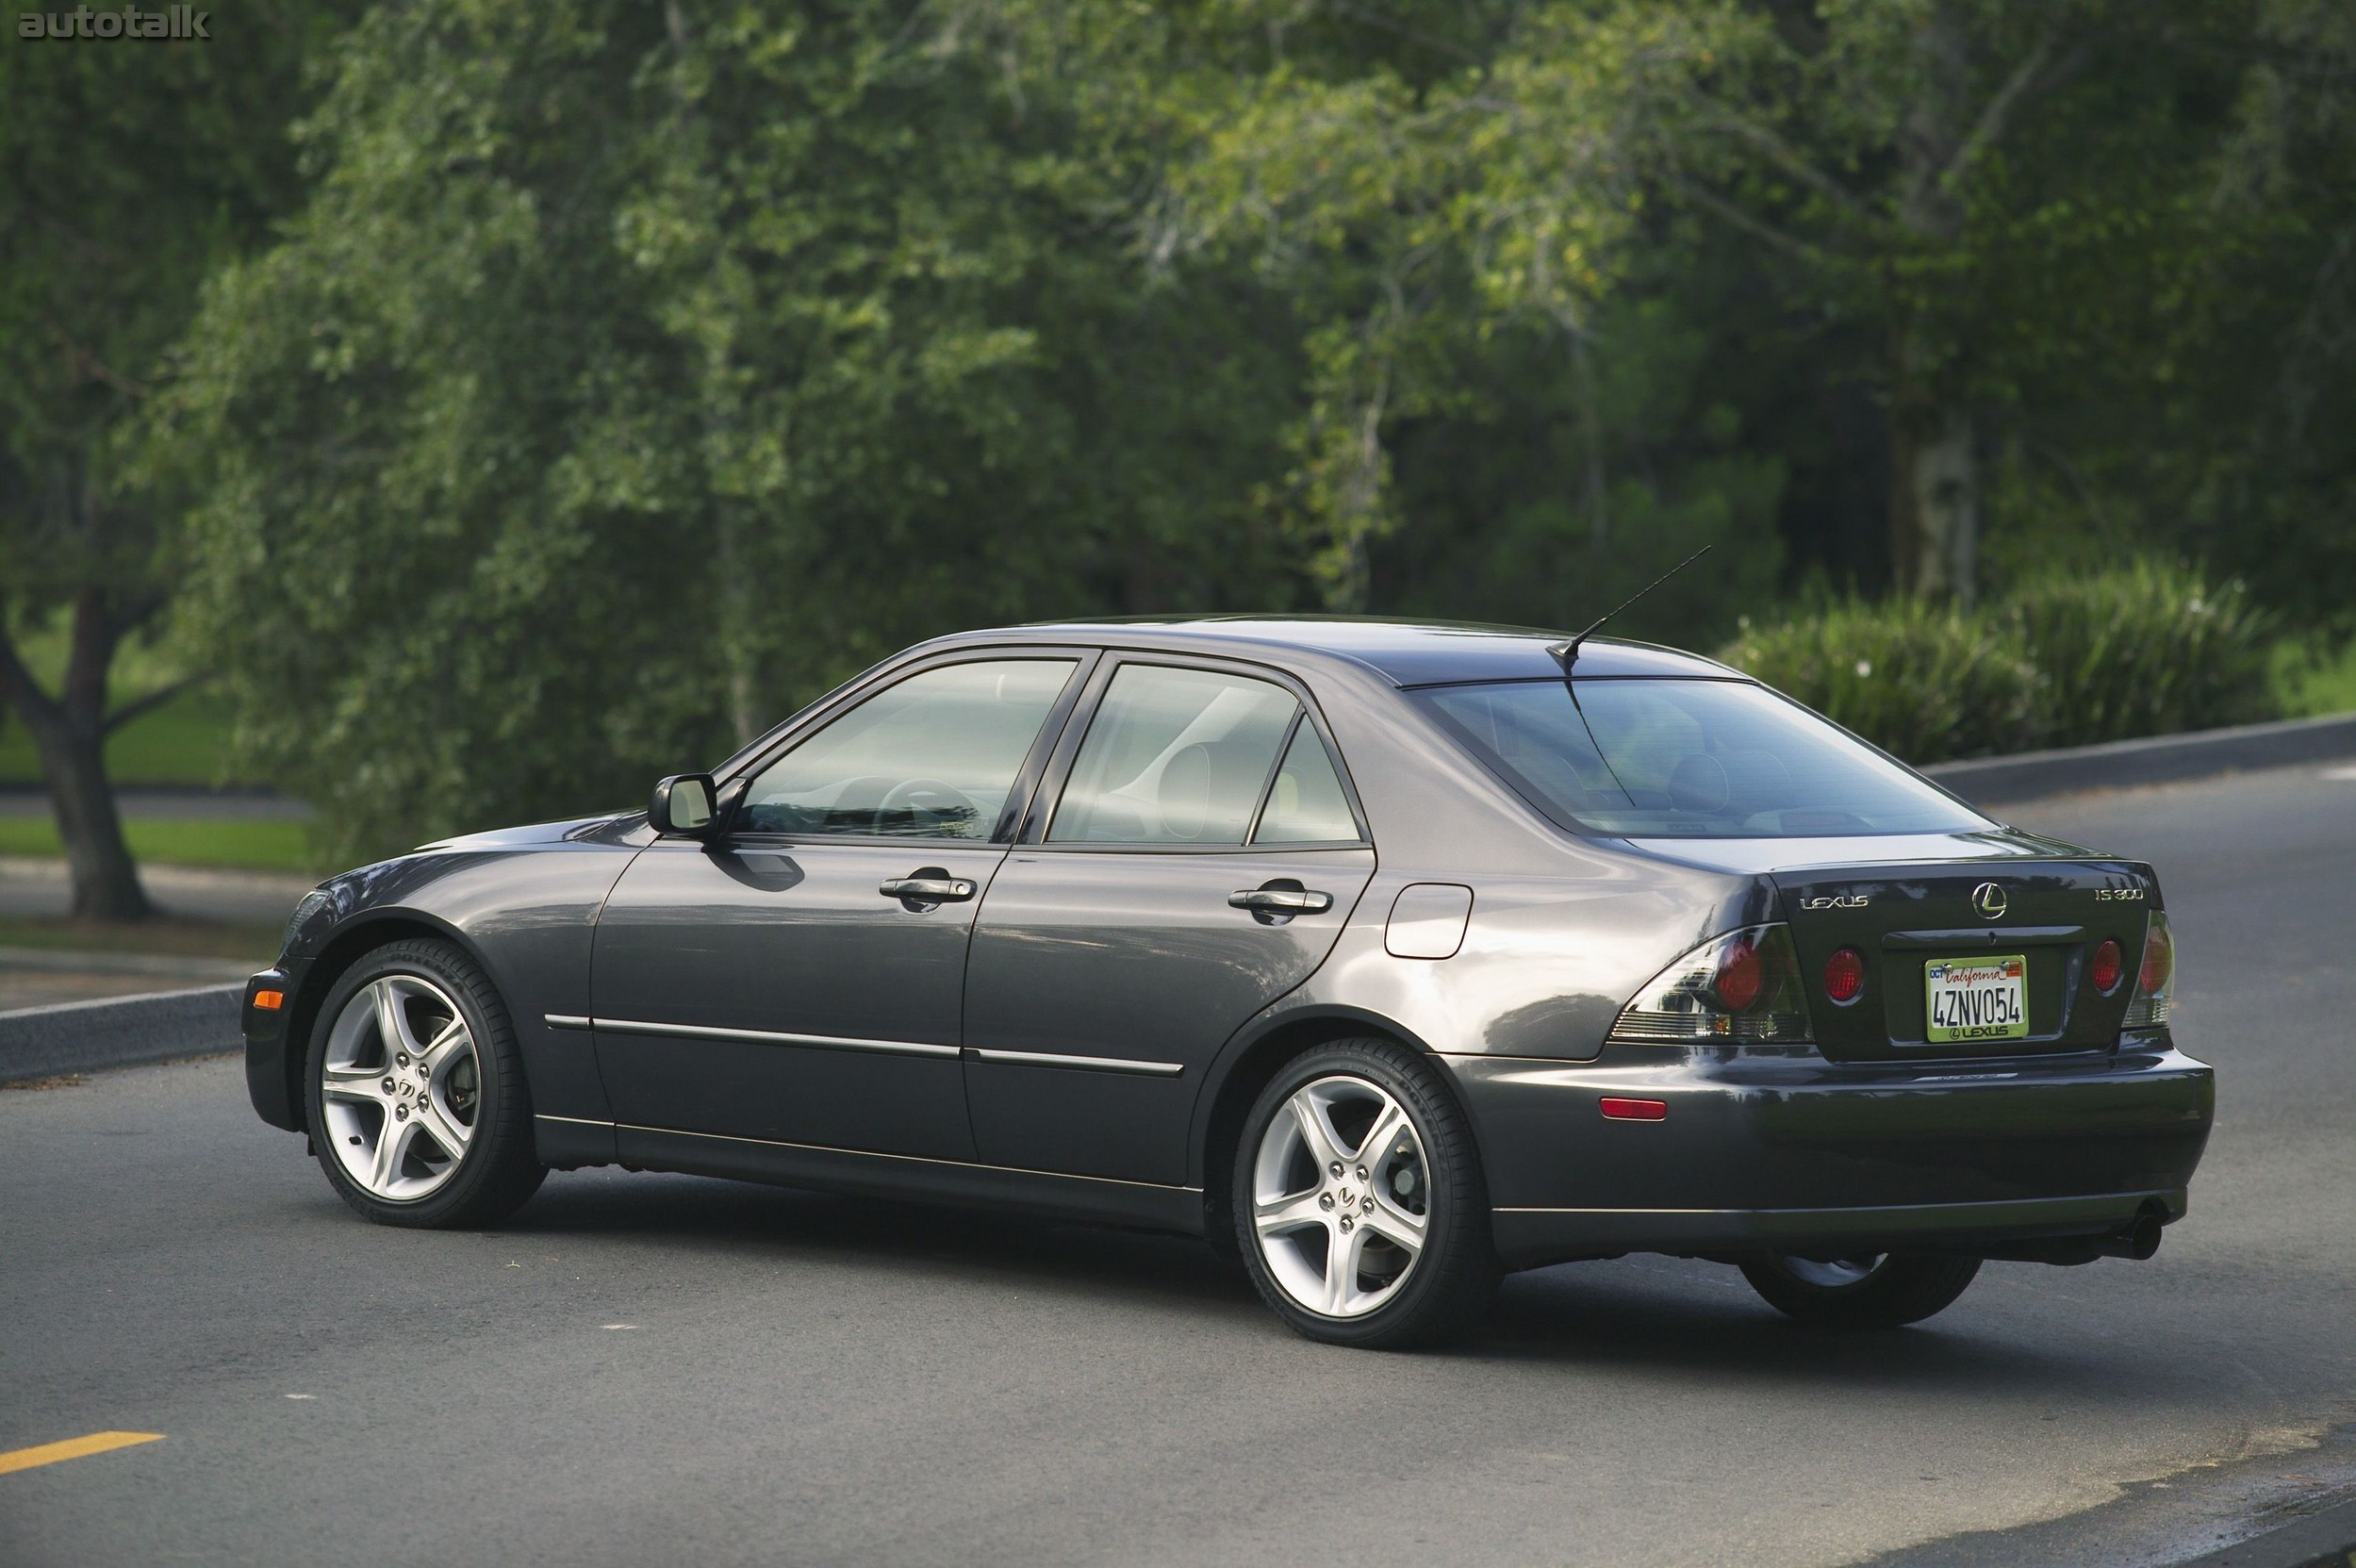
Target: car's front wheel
(415, 1092)
(1873, 1291)
(1359, 1202)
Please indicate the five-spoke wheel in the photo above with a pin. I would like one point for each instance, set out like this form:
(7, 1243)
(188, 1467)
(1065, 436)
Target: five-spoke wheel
(417, 1101)
(402, 1085)
(1358, 1198)
(1339, 1196)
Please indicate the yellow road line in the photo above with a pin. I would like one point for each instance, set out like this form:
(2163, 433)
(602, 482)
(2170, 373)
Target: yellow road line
(73, 1448)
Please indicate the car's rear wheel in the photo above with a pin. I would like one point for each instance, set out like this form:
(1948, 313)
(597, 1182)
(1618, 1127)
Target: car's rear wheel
(1359, 1202)
(1871, 1290)
(415, 1092)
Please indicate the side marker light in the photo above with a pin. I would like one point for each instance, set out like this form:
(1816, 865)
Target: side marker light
(269, 1001)
(1619, 1110)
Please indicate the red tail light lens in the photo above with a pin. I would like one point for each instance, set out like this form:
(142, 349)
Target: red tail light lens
(2109, 963)
(1742, 985)
(1844, 976)
(1741, 976)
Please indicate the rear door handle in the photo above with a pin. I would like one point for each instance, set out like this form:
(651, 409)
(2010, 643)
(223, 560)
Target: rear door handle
(922, 889)
(1280, 901)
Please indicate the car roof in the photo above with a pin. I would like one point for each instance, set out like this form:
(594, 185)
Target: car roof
(1406, 653)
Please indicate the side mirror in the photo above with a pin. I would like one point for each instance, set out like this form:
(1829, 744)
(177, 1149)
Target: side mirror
(683, 804)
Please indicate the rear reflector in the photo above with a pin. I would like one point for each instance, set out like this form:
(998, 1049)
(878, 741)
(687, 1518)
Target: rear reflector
(269, 1001)
(1635, 1110)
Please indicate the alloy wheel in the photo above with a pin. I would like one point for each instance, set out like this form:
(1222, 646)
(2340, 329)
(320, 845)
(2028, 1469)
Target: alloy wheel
(1341, 1197)
(401, 1084)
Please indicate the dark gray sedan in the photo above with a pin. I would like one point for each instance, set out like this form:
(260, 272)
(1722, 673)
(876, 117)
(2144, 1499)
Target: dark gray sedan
(1391, 956)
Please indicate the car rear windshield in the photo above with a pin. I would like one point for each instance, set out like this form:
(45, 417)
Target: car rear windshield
(1688, 759)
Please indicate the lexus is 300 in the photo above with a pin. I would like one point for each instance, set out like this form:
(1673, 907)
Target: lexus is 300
(1389, 956)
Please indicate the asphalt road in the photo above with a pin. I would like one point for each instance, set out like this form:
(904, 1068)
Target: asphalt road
(662, 1369)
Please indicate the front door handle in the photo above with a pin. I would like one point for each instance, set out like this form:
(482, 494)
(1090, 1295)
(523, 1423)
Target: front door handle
(1281, 899)
(930, 886)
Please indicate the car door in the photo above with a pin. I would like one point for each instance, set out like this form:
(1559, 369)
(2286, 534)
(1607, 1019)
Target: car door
(798, 977)
(1200, 860)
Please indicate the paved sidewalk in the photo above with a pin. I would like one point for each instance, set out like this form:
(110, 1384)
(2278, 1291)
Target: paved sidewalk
(251, 805)
(37, 886)
(39, 976)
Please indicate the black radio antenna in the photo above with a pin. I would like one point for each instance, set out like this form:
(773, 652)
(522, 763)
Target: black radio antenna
(1569, 651)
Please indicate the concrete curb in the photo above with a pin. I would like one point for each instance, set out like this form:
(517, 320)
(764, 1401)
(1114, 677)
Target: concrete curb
(2325, 1540)
(2154, 759)
(82, 1037)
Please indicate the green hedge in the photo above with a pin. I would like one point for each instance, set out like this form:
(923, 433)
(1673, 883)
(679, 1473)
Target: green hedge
(1922, 682)
(2147, 649)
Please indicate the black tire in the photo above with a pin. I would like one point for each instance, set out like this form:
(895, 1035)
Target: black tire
(1449, 1285)
(499, 1168)
(1892, 1294)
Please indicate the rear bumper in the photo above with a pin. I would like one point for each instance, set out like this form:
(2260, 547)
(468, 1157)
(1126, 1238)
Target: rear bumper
(1784, 1151)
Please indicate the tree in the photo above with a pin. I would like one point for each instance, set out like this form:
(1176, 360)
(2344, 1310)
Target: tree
(131, 169)
(634, 373)
(1964, 206)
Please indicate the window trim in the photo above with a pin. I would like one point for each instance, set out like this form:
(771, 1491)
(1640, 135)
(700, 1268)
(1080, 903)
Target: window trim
(1049, 798)
(1020, 794)
(1268, 792)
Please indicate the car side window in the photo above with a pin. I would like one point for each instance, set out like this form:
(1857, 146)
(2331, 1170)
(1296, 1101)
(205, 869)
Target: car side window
(1174, 756)
(1305, 803)
(932, 756)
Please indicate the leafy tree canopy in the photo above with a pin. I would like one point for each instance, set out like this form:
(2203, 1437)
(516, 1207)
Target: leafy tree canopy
(633, 373)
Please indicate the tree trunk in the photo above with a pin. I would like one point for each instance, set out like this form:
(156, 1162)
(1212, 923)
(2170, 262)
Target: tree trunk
(69, 733)
(106, 882)
(739, 647)
(1935, 473)
(1935, 498)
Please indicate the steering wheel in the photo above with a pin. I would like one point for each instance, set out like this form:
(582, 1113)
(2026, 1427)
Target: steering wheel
(931, 796)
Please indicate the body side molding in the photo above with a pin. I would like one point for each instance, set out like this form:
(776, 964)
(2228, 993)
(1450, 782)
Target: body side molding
(752, 1036)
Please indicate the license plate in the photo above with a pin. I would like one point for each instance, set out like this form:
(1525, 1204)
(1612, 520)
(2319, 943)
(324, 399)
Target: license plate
(1976, 998)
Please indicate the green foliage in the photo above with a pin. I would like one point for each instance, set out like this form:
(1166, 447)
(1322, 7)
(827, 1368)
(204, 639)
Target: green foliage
(2145, 649)
(2311, 681)
(628, 382)
(1921, 681)
(633, 373)
(2070, 661)
(130, 172)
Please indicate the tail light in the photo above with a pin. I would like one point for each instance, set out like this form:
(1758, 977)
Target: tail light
(1744, 985)
(2107, 966)
(2154, 983)
(1844, 976)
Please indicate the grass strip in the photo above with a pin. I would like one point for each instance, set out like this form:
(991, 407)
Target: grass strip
(237, 844)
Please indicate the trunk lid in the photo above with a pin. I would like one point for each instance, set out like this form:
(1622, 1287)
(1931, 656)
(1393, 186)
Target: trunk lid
(2050, 911)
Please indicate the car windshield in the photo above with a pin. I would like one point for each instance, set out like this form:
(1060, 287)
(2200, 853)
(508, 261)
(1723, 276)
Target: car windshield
(1688, 759)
